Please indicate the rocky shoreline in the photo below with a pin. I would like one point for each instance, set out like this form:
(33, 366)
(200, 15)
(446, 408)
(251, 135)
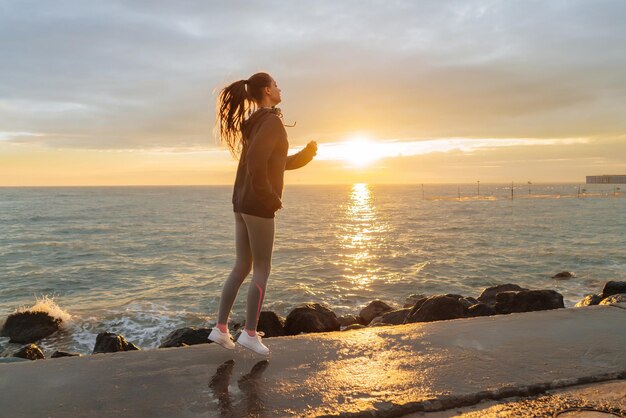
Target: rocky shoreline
(29, 327)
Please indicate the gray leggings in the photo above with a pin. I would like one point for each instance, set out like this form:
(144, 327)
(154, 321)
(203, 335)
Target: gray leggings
(254, 241)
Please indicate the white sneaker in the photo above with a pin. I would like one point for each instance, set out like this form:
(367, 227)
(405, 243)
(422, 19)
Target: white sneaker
(222, 338)
(253, 343)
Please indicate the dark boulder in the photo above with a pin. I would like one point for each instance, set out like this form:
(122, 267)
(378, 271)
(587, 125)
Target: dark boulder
(613, 288)
(589, 300)
(437, 308)
(396, 317)
(271, 324)
(237, 325)
(372, 310)
(30, 352)
(564, 275)
(186, 336)
(346, 320)
(28, 327)
(411, 299)
(617, 298)
(57, 354)
(480, 309)
(527, 301)
(488, 296)
(375, 321)
(419, 303)
(472, 300)
(311, 317)
(108, 342)
(467, 303)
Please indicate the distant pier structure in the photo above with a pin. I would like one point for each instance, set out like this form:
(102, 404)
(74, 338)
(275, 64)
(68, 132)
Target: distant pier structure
(607, 179)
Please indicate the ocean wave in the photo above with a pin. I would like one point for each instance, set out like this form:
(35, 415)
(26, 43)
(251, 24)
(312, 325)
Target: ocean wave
(145, 324)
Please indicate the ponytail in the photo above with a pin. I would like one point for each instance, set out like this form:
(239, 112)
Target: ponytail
(233, 102)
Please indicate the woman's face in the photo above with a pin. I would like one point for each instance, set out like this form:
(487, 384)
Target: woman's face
(274, 93)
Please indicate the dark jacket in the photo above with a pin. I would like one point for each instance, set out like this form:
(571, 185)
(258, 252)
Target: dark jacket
(259, 183)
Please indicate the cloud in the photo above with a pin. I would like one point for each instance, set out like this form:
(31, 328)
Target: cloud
(363, 150)
(141, 75)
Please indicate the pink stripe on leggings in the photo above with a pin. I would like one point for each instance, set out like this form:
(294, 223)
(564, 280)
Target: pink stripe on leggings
(258, 311)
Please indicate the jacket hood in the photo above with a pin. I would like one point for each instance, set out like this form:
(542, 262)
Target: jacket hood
(255, 118)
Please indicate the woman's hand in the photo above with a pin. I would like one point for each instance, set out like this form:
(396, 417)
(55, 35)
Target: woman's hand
(302, 157)
(312, 147)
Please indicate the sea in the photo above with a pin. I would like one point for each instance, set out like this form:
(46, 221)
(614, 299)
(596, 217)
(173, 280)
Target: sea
(144, 261)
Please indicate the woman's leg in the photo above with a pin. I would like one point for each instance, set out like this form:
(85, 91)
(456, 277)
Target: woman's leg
(261, 234)
(243, 264)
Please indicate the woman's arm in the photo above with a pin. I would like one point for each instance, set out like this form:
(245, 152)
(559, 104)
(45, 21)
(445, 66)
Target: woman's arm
(301, 158)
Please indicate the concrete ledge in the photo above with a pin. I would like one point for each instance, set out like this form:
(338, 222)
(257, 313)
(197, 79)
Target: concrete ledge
(377, 371)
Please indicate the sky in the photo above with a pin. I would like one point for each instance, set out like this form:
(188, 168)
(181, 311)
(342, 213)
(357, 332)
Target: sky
(123, 92)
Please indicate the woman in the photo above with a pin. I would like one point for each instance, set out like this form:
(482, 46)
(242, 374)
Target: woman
(260, 142)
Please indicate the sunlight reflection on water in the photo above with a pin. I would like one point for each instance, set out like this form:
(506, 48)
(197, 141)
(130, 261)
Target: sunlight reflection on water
(360, 234)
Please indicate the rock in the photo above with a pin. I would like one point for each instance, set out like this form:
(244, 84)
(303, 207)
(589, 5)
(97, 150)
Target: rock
(237, 325)
(617, 298)
(372, 310)
(411, 299)
(527, 301)
(466, 303)
(472, 300)
(185, 336)
(346, 320)
(375, 321)
(108, 342)
(488, 296)
(353, 326)
(311, 317)
(30, 352)
(57, 354)
(480, 309)
(589, 300)
(613, 288)
(419, 303)
(28, 327)
(436, 308)
(396, 317)
(564, 275)
(271, 324)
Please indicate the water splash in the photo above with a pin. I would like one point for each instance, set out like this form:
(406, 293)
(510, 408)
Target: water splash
(47, 304)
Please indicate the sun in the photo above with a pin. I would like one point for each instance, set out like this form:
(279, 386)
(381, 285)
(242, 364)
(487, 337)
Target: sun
(360, 151)
(357, 150)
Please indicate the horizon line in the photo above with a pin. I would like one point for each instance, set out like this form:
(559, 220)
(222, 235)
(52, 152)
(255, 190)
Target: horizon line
(517, 183)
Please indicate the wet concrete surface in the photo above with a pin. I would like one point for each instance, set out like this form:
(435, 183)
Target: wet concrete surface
(379, 371)
(620, 305)
(596, 400)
